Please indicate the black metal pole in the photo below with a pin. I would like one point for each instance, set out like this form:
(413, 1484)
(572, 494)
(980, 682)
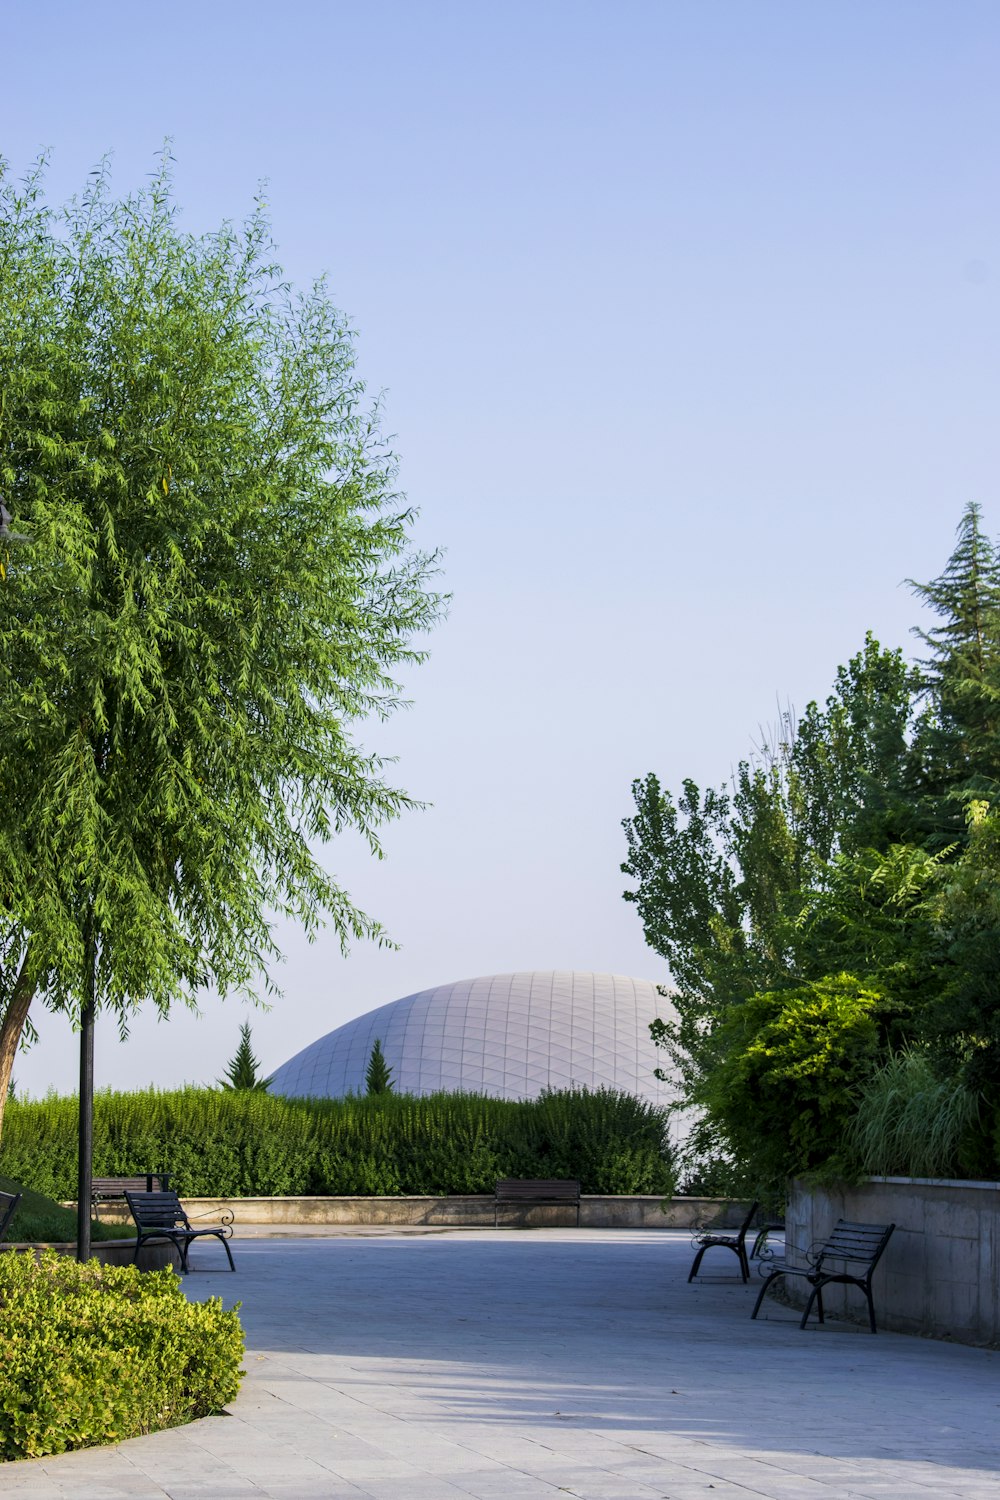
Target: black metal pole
(85, 1138)
(85, 1155)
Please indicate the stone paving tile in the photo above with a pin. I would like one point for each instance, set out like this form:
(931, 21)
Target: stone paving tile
(557, 1362)
(514, 1488)
(225, 1485)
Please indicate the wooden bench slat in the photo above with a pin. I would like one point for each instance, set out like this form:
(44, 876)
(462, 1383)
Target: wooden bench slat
(549, 1192)
(109, 1189)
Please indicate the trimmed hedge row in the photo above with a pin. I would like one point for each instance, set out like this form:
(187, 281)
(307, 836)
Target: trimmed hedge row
(248, 1144)
(94, 1354)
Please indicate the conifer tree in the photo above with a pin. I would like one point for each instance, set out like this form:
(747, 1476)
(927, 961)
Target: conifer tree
(378, 1074)
(243, 1071)
(958, 740)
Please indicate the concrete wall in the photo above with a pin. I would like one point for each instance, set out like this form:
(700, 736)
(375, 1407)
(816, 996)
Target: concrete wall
(940, 1274)
(114, 1253)
(460, 1210)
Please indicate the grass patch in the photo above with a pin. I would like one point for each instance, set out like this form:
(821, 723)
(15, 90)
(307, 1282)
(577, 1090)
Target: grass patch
(909, 1121)
(41, 1220)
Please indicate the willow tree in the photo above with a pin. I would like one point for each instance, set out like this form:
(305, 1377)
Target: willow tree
(209, 582)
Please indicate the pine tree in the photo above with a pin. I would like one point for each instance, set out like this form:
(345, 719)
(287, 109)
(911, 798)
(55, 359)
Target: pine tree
(958, 741)
(378, 1075)
(243, 1071)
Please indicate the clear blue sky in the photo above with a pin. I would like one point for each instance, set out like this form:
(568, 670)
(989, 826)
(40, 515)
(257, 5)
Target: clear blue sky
(686, 315)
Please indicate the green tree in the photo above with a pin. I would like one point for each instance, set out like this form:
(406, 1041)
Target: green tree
(958, 738)
(243, 1069)
(724, 880)
(864, 842)
(960, 1022)
(378, 1074)
(216, 587)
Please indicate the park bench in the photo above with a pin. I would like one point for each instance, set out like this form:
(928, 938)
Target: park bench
(8, 1208)
(113, 1189)
(710, 1239)
(160, 1216)
(849, 1245)
(536, 1192)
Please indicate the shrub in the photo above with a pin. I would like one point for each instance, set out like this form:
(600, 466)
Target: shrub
(95, 1354)
(248, 1144)
(791, 1064)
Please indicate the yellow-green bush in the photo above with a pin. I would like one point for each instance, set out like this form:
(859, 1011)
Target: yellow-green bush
(94, 1354)
(791, 1062)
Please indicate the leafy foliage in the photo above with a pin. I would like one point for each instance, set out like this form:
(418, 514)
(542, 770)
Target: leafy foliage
(96, 1354)
(864, 841)
(216, 585)
(792, 1057)
(725, 880)
(248, 1144)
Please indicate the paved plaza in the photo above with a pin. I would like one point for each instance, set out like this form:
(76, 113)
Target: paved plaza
(532, 1365)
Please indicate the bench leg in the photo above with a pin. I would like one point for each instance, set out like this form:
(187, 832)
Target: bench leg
(816, 1295)
(871, 1308)
(760, 1295)
(225, 1246)
(697, 1262)
(737, 1251)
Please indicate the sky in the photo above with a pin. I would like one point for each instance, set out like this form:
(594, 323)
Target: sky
(685, 319)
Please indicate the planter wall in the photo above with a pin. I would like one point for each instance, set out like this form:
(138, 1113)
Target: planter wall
(113, 1253)
(940, 1274)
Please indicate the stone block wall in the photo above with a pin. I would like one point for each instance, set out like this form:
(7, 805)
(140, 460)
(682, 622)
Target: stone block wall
(940, 1274)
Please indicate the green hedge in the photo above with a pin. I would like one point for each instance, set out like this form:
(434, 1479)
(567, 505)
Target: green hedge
(232, 1144)
(94, 1354)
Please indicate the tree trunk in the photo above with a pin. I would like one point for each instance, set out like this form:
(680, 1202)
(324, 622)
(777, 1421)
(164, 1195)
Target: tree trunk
(13, 1025)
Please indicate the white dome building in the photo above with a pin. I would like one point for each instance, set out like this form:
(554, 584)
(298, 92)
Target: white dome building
(507, 1035)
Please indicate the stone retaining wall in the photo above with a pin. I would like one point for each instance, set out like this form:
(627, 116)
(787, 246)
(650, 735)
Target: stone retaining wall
(940, 1274)
(459, 1211)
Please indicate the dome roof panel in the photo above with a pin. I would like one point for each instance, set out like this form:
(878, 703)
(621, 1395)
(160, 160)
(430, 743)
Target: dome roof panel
(510, 1035)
